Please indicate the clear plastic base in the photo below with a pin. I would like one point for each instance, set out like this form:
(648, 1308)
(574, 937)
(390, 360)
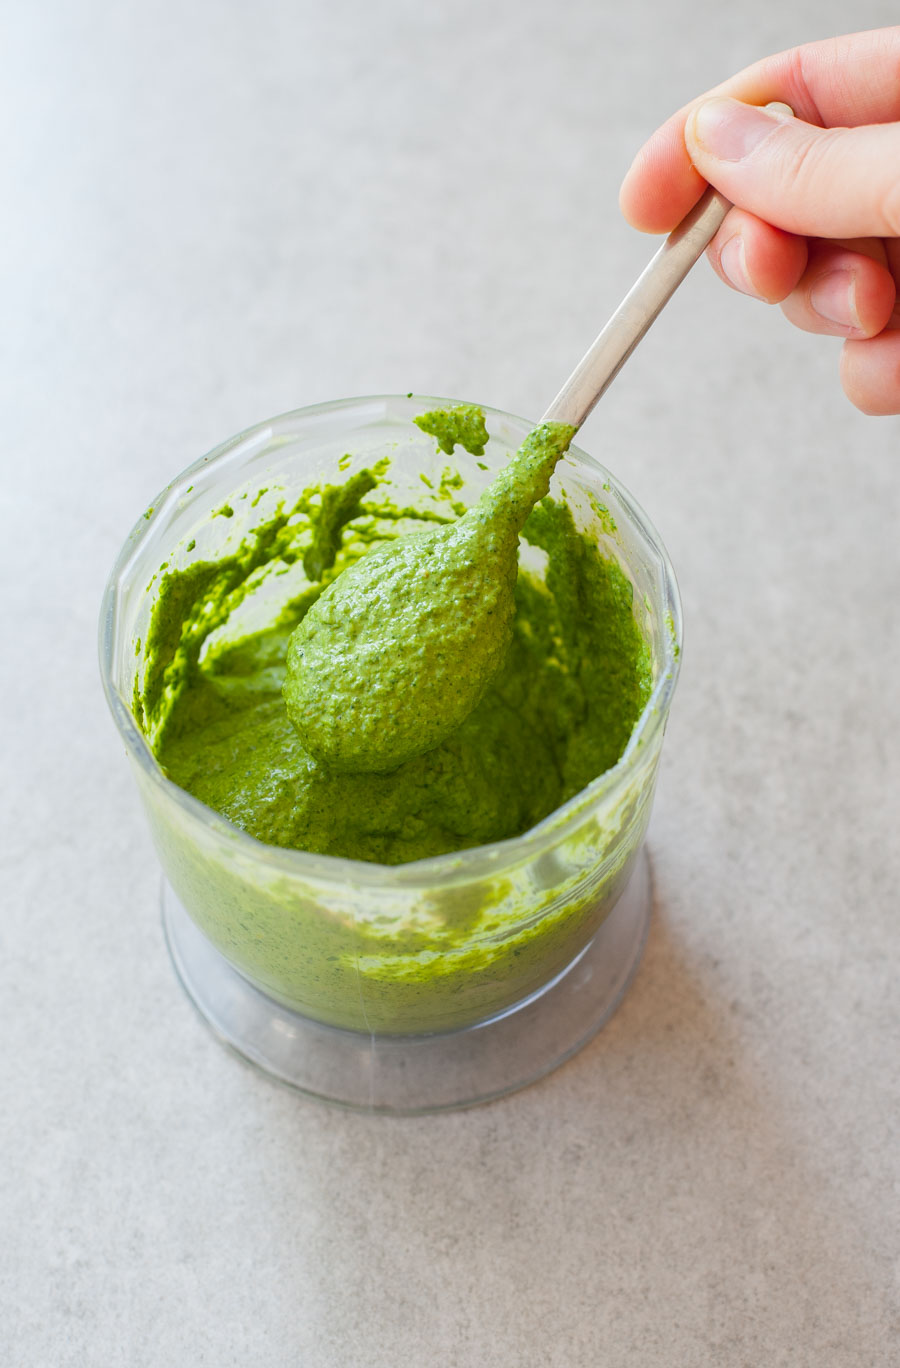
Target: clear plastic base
(409, 1074)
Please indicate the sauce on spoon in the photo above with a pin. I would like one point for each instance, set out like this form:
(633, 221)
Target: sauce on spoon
(397, 652)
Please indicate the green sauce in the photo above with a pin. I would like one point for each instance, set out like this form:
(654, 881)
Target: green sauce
(558, 689)
(396, 654)
(463, 425)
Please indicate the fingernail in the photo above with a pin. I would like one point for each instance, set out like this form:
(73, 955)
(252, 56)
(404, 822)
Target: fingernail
(730, 130)
(733, 264)
(833, 298)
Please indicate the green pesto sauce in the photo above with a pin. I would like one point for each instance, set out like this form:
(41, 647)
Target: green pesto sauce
(397, 653)
(565, 686)
(463, 425)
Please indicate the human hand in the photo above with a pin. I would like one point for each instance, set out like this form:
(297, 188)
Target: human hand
(816, 222)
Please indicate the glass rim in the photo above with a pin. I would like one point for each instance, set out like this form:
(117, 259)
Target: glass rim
(479, 861)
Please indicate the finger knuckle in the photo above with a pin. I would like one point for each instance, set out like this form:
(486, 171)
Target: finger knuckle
(804, 160)
(891, 207)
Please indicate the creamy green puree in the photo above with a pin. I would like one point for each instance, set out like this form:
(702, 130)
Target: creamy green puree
(396, 654)
(561, 674)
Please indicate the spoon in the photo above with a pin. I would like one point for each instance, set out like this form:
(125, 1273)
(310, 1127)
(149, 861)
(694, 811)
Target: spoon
(397, 652)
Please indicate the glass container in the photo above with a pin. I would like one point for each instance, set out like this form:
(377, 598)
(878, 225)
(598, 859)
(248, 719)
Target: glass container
(411, 987)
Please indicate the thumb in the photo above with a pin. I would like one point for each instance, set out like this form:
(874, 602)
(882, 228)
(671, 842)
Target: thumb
(821, 182)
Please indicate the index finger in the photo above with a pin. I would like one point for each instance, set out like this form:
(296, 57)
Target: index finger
(837, 82)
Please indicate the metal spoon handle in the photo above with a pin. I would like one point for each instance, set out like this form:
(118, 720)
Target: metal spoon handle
(651, 291)
(642, 304)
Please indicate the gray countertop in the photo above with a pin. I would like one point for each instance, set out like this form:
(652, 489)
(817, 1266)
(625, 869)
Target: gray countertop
(216, 212)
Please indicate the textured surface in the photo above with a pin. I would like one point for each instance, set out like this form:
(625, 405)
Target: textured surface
(219, 211)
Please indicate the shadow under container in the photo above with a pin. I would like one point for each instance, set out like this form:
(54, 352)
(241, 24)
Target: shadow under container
(411, 987)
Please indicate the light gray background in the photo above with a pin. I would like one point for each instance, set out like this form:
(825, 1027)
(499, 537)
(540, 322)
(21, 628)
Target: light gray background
(213, 212)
